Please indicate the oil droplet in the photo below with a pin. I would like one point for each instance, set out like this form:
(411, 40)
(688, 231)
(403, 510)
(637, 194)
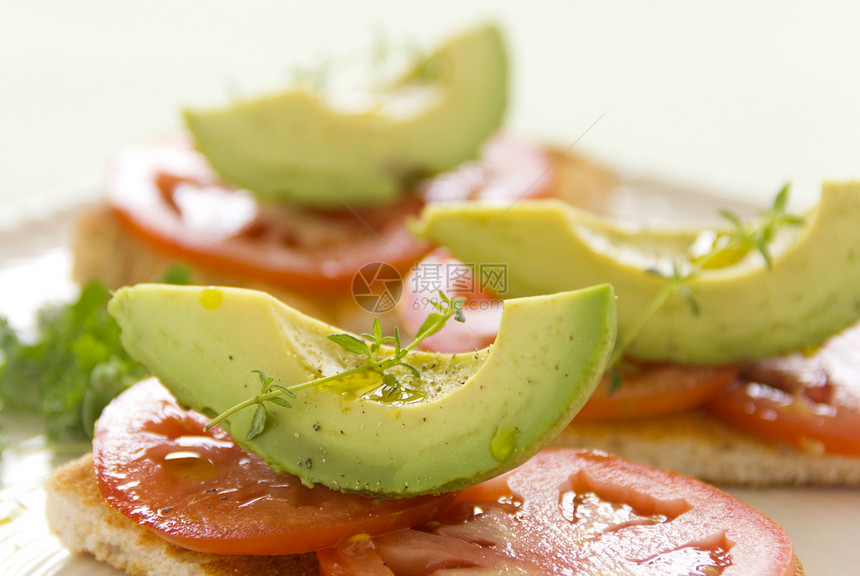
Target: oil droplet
(9, 511)
(356, 545)
(210, 298)
(503, 443)
(187, 464)
(715, 251)
(810, 350)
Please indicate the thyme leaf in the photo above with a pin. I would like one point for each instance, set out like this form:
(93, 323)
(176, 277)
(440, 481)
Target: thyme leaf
(370, 346)
(351, 343)
(725, 250)
(258, 423)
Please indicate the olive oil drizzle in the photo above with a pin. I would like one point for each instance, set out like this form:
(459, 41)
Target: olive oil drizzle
(725, 250)
(368, 345)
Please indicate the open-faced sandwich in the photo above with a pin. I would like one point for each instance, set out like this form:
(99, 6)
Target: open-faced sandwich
(273, 443)
(361, 455)
(295, 192)
(308, 196)
(737, 359)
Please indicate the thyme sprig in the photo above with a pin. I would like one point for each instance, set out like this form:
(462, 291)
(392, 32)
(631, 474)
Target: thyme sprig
(370, 346)
(745, 237)
(725, 250)
(269, 392)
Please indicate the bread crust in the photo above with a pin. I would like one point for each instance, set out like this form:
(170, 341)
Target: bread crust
(699, 445)
(105, 249)
(85, 523)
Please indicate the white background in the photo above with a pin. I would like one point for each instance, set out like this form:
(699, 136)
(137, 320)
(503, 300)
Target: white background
(767, 90)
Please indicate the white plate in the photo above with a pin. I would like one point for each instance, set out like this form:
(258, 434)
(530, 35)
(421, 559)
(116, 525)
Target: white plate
(34, 264)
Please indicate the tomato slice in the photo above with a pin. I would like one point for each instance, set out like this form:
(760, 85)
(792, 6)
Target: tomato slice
(648, 390)
(510, 169)
(811, 402)
(167, 195)
(578, 512)
(440, 271)
(198, 490)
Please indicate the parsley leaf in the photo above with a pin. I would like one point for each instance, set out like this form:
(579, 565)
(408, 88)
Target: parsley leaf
(72, 368)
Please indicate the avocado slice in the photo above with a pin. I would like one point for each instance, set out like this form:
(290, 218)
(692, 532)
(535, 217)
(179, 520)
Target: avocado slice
(745, 311)
(479, 414)
(297, 147)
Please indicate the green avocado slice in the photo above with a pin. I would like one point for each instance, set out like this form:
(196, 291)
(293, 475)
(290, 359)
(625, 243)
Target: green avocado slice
(481, 413)
(745, 311)
(296, 147)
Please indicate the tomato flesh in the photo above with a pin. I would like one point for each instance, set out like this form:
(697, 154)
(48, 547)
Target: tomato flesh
(646, 389)
(811, 402)
(649, 390)
(440, 271)
(166, 195)
(577, 512)
(509, 169)
(199, 490)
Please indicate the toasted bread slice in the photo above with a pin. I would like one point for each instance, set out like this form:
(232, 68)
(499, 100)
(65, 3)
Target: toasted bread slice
(104, 249)
(699, 445)
(85, 523)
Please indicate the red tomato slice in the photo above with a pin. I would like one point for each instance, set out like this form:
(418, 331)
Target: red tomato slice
(198, 490)
(509, 169)
(811, 402)
(440, 271)
(578, 512)
(648, 390)
(166, 194)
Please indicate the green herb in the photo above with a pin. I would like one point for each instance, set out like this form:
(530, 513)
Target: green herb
(73, 365)
(178, 274)
(71, 370)
(18, 364)
(370, 346)
(615, 380)
(616, 375)
(383, 65)
(258, 424)
(725, 250)
(744, 238)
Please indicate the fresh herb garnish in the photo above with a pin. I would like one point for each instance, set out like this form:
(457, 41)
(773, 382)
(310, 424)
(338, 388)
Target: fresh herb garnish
(258, 423)
(617, 373)
(370, 346)
(382, 65)
(178, 274)
(73, 364)
(71, 369)
(730, 248)
(726, 249)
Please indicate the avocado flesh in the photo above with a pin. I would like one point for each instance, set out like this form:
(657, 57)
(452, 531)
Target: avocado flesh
(484, 412)
(295, 147)
(745, 311)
